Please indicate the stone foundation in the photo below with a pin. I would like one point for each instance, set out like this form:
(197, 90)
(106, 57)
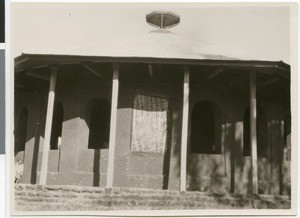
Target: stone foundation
(71, 198)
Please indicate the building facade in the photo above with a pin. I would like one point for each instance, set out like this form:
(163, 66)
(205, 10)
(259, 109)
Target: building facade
(163, 119)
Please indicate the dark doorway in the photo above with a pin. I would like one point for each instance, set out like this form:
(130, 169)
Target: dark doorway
(99, 125)
(57, 123)
(205, 132)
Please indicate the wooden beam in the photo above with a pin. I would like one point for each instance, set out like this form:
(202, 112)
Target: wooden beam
(92, 69)
(184, 130)
(37, 75)
(113, 127)
(253, 132)
(49, 116)
(70, 63)
(214, 73)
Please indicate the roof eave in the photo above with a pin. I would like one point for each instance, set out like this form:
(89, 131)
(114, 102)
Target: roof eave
(22, 61)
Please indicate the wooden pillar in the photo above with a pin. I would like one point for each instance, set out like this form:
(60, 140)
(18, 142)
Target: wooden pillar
(49, 116)
(253, 133)
(113, 126)
(184, 130)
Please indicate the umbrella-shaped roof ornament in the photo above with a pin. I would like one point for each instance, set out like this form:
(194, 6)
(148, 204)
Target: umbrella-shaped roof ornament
(162, 19)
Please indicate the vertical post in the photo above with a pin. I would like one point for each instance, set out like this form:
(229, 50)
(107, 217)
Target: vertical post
(162, 20)
(113, 125)
(49, 116)
(253, 133)
(184, 130)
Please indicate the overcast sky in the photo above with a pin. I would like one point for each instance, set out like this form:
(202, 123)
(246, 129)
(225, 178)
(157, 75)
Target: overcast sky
(264, 31)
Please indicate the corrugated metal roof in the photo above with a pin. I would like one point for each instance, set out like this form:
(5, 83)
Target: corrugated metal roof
(154, 44)
(159, 46)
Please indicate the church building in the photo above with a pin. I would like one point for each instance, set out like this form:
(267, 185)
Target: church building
(157, 111)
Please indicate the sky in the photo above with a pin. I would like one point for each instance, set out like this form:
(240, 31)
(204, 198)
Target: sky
(259, 30)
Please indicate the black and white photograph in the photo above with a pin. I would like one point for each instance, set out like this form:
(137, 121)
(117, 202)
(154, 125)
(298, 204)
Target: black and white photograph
(152, 108)
(2, 105)
(2, 133)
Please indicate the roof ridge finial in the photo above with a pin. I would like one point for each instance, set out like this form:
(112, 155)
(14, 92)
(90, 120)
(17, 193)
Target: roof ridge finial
(162, 19)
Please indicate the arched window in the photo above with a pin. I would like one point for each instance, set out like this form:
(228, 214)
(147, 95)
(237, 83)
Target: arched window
(57, 123)
(99, 125)
(21, 131)
(261, 131)
(206, 129)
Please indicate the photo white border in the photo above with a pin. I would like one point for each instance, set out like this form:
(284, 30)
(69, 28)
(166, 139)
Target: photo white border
(253, 212)
(9, 107)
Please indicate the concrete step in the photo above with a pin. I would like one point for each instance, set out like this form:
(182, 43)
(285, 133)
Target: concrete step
(73, 198)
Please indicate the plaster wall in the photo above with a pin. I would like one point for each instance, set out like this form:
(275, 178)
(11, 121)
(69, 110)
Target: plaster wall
(76, 164)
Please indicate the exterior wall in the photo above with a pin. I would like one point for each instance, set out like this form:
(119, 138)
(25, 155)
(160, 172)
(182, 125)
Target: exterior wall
(78, 165)
(145, 170)
(33, 102)
(75, 164)
(139, 168)
(207, 172)
(230, 171)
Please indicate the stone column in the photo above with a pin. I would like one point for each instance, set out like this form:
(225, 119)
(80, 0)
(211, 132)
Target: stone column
(113, 126)
(48, 126)
(253, 133)
(184, 130)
